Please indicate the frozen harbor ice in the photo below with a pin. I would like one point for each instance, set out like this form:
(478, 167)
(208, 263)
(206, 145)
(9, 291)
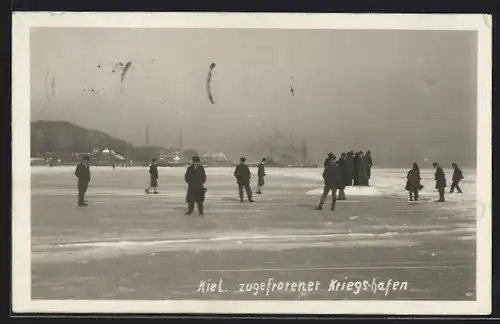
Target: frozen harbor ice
(127, 245)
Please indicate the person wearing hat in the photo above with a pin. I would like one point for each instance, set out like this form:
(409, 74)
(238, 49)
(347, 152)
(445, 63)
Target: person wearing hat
(328, 159)
(82, 172)
(457, 177)
(342, 165)
(349, 167)
(368, 163)
(153, 174)
(242, 174)
(195, 177)
(261, 173)
(332, 176)
(440, 178)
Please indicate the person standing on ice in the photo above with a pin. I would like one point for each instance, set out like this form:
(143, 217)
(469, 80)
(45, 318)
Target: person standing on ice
(153, 174)
(349, 163)
(369, 163)
(356, 160)
(361, 178)
(242, 174)
(413, 182)
(195, 177)
(343, 169)
(457, 177)
(82, 172)
(440, 178)
(332, 175)
(261, 173)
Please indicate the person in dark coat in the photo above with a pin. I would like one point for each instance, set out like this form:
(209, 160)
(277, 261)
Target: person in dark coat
(328, 159)
(361, 176)
(82, 172)
(261, 173)
(457, 177)
(153, 175)
(440, 178)
(369, 163)
(356, 167)
(413, 182)
(349, 164)
(332, 175)
(242, 174)
(342, 165)
(195, 177)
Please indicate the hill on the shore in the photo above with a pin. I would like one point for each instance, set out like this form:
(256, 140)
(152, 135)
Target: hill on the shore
(63, 136)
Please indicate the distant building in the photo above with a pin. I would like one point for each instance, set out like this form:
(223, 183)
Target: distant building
(38, 161)
(215, 158)
(169, 156)
(109, 156)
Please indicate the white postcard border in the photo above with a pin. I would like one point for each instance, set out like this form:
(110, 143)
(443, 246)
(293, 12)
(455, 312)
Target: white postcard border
(21, 184)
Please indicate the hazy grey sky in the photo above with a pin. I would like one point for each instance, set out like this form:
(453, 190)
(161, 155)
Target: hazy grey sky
(400, 92)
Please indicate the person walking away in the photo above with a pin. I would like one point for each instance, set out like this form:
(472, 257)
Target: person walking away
(195, 177)
(327, 160)
(413, 185)
(369, 163)
(153, 175)
(349, 162)
(332, 176)
(457, 177)
(114, 166)
(343, 169)
(82, 172)
(261, 173)
(440, 178)
(242, 174)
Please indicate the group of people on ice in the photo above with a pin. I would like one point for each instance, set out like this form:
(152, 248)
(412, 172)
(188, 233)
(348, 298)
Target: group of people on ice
(356, 167)
(413, 185)
(338, 174)
(196, 177)
(350, 169)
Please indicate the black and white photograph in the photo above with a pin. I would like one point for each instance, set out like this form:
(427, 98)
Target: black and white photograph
(251, 163)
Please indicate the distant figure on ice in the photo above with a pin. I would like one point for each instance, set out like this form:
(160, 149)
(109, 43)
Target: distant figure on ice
(82, 172)
(114, 166)
(332, 176)
(153, 175)
(457, 177)
(413, 182)
(349, 163)
(360, 176)
(342, 165)
(440, 178)
(261, 173)
(369, 163)
(328, 159)
(242, 174)
(195, 177)
(362, 170)
(356, 161)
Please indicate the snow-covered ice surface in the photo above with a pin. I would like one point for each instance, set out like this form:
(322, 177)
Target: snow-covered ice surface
(126, 244)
